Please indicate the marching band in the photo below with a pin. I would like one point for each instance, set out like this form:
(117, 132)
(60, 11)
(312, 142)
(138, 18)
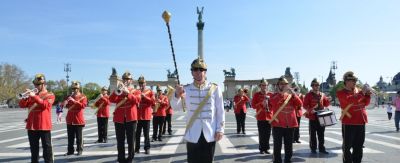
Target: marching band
(275, 111)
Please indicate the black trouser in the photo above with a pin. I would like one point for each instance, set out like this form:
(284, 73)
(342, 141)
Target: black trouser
(353, 137)
(158, 122)
(286, 134)
(389, 115)
(102, 127)
(145, 126)
(75, 131)
(316, 129)
(240, 121)
(128, 129)
(264, 133)
(200, 152)
(296, 133)
(167, 121)
(45, 136)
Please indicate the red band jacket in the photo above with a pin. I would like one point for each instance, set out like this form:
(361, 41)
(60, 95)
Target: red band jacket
(287, 117)
(103, 105)
(162, 108)
(39, 116)
(314, 102)
(76, 110)
(127, 109)
(357, 111)
(145, 109)
(262, 114)
(240, 103)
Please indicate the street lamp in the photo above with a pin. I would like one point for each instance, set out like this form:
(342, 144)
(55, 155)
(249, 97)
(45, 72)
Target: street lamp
(67, 68)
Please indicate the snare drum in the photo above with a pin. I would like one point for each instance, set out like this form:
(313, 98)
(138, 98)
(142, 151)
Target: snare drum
(326, 118)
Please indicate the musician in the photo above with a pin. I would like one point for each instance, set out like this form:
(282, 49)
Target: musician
(313, 102)
(38, 122)
(103, 112)
(125, 116)
(240, 110)
(205, 114)
(283, 107)
(396, 103)
(167, 120)
(354, 117)
(299, 113)
(75, 120)
(261, 103)
(159, 114)
(144, 115)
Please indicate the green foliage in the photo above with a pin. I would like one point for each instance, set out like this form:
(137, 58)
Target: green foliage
(332, 92)
(90, 93)
(60, 95)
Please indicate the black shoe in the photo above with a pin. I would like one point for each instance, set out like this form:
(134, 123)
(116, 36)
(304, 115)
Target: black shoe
(159, 139)
(244, 133)
(147, 151)
(68, 153)
(129, 159)
(313, 151)
(298, 141)
(169, 133)
(98, 141)
(153, 140)
(324, 152)
(287, 161)
(137, 151)
(79, 153)
(267, 152)
(105, 141)
(261, 152)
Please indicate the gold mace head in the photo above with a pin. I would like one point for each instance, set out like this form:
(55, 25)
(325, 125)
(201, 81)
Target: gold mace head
(166, 16)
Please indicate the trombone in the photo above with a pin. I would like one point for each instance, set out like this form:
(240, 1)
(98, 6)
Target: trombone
(25, 95)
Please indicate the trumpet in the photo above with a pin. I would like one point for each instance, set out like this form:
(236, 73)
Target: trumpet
(25, 95)
(120, 88)
(68, 99)
(366, 88)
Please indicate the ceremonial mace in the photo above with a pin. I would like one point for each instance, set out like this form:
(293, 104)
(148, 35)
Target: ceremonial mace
(167, 16)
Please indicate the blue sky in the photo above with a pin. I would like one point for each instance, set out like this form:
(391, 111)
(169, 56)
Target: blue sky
(258, 38)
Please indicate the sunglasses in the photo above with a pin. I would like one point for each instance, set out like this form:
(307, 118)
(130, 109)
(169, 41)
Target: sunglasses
(199, 69)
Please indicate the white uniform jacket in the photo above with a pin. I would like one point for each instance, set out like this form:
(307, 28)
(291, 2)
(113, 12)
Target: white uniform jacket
(212, 116)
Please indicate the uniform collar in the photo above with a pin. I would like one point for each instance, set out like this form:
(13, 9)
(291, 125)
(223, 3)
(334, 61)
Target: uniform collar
(200, 86)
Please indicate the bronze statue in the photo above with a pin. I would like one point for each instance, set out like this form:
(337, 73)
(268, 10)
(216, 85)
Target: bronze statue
(200, 12)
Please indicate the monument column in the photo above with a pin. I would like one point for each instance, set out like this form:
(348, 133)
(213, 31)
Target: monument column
(200, 26)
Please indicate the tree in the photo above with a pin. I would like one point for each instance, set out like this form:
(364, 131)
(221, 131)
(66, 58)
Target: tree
(51, 85)
(92, 86)
(61, 84)
(91, 90)
(13, 81)
(338, 86)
